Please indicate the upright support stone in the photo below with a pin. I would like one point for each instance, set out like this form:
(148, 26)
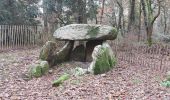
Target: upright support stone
(64, 54)
(90, 47)
(49, 53)
(103, 59)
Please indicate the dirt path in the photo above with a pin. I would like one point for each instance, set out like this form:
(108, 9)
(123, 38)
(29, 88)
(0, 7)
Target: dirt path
(122, 83)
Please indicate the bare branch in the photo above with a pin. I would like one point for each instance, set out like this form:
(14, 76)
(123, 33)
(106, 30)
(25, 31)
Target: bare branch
(159, 10)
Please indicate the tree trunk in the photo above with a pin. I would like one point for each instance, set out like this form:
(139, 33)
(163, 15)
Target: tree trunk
(139, 26)
(148, 18)
(132, 14)
(96, 20)
(102, 11)
(121, 17)
(82, 18)
(165, 21)
(149, 31)
(45, 17)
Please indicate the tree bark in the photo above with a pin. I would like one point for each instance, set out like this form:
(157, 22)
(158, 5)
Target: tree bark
(132, 14)
(139, 26)
(149, 20)
(102, 11)
(121, 23)
(82, 18)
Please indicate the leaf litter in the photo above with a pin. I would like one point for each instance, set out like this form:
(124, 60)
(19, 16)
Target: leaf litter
(124, 82)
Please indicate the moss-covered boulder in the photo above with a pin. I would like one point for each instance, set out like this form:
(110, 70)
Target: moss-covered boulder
(44, 67)
(36, 71)
(39, 69)
(61, 79)
(103, 59)
(90, 45)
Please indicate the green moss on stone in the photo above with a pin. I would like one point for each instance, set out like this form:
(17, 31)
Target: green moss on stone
(44, 53)
(93, 30)
(36, 71)
(61, 79)
(104, 62)
(44, 67)
(114, 31)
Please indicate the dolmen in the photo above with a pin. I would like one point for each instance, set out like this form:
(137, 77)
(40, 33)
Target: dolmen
(92, 46)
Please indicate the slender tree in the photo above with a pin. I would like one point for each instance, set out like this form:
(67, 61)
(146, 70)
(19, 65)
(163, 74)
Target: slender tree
(120, 25)
(132, 14)
(102, 11)
(149, 18)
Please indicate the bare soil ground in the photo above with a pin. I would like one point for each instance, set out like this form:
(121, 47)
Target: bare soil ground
(126, 82)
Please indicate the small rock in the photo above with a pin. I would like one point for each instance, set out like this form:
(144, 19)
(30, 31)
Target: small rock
(50, 71)
(26, 77)
(103, 75)
(15, 98)
(6, 95)
(79, 71)
(168, 75)
(15, 64)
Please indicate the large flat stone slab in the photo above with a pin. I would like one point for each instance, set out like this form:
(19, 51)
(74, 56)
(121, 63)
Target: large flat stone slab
(85, 32)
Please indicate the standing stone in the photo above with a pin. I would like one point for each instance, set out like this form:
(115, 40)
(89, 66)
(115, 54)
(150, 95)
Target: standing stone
(103, 59)
(49, 53)
(64, 54)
